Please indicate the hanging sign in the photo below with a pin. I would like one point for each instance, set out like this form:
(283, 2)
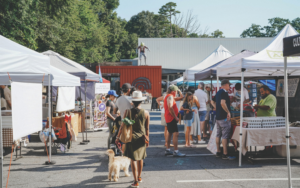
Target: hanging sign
(102, 88)
(292, 87)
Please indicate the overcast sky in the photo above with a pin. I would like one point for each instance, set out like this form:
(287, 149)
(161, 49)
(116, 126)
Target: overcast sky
(229, 16)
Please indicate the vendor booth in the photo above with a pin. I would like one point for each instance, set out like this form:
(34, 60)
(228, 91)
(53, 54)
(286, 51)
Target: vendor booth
(15, 58)
(86, 91)
(265, 64)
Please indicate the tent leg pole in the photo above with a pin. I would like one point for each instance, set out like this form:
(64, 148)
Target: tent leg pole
(286, 106)
(50, 162)
(85, 119)
(241, 117)
(83, 140)
(211, 86)
(217, 82)
(1, 147)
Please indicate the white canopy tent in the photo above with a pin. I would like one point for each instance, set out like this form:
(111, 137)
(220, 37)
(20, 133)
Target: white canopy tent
(57, 78)
(216, 56)
(15, 58)
(266, 63)
(75, 69)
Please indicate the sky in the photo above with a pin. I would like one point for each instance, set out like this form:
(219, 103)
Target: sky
(232, 17)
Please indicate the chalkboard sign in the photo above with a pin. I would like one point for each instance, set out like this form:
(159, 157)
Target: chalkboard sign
(292, 87)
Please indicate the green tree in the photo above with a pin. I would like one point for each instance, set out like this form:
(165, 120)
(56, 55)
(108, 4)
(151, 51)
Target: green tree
(253, 31)
(275, 26)
(193, 35)
(18, 20)
(168, 10)
(217, 34)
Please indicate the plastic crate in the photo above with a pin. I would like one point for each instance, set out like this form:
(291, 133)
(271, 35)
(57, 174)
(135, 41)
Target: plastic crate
(252, 119)
(254, 124)
(268, 125)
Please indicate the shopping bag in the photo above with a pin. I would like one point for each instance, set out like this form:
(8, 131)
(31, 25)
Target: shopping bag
(212, 146)
(126, 132)
(74, 138)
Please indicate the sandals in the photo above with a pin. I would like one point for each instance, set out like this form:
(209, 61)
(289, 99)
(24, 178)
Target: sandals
(135, 184)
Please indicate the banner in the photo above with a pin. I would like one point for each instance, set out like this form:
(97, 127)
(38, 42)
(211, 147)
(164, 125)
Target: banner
(292, 87)
(101, 90)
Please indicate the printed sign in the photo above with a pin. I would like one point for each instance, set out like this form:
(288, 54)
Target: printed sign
(292, 87)
(102, 88)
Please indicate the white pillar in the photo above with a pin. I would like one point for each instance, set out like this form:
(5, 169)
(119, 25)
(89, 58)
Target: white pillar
(241, 116)
(49, 115)
(287, 134)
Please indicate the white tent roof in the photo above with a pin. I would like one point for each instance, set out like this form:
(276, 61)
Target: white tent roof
(268, 62)
(17, 58)
(58, 78)
(216, 56)
(177, 80)
(70, 66)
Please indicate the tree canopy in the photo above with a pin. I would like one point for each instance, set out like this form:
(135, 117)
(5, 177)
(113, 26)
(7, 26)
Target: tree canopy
(90, 31)
(275, 26)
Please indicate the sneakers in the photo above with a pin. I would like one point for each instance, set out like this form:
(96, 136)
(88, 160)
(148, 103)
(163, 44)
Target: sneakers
(201, 142)
(178, 154)
(168, 152)
(135, 184)
(219, 154)
(228, 157)
(140, 179)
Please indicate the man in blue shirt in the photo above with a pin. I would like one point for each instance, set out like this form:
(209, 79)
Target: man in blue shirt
(221, 103)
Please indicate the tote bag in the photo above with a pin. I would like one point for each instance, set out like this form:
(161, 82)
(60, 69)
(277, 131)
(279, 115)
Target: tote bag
(126, 132)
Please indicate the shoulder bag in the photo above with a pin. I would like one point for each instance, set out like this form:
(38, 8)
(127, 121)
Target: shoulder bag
(126, 132)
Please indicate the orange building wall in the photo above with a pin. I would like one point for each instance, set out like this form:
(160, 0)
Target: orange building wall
(129, 73)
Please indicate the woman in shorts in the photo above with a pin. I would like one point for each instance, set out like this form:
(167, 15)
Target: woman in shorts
(188, 117)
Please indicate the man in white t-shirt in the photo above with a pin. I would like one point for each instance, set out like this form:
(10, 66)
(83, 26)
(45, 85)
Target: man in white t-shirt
(237, 93)
(203, 101)
(123, 102)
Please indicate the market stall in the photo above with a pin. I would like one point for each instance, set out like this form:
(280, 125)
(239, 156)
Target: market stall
(87, 89)
(267, 63)
(15, 58)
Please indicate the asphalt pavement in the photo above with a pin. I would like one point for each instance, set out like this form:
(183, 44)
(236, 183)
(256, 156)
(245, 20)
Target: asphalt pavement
(87, 166)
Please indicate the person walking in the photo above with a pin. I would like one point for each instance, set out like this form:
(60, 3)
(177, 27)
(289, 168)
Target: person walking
(159, 101)
(123, 102)
(221, 103)
(136, 149)
(203, 101)
(188, 117)
(110, 106)
(209, 89)
(171, 116)
(195, 129)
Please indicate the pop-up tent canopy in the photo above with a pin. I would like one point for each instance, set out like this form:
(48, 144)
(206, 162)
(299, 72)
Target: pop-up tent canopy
(71, 67)
(267, 63)
(211, 72)
(57, 78)
(17, 58)
(216, 56)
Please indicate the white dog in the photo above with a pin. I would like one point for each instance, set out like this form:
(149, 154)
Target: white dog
(116, 164)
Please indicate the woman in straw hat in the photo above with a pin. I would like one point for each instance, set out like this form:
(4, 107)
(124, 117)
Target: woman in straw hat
(136, 149)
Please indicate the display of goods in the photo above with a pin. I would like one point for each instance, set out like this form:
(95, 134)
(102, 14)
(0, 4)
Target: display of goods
(253, 122)
(268, 122)
(280, 121)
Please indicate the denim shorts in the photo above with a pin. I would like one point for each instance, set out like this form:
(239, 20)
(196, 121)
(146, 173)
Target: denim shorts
(202, 115)
(188, 123)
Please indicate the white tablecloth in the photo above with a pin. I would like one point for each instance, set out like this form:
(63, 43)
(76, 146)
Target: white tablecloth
(265, 137)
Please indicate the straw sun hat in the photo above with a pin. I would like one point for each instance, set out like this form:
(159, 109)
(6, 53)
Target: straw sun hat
(137, 96)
